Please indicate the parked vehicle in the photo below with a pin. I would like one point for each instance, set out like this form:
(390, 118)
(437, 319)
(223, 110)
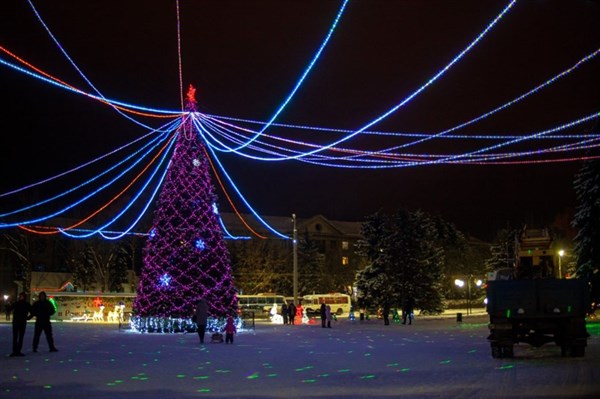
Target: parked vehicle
(340, 304)
(532, 304)
(260, 304)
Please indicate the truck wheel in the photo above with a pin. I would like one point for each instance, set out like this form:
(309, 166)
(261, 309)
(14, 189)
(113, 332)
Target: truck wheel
(496, 352)
(577, 351)
(507, 352)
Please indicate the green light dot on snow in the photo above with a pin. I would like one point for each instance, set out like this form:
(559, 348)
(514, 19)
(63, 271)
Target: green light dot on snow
(253, 376)
(343, 370)
(405, 369)
(392, 364)
(272, 375)
(201, 377)
(309, 381)
(203, 390)
(324, 375)
(506, 367)
(367, 354)
(180, 375)
(223, 371)
(445, 362)
(47, 386)
(75, 370)
(472, 351)
(367, 377)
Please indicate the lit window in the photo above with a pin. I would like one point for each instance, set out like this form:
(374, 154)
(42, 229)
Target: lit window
(345, 260)
(345, 245)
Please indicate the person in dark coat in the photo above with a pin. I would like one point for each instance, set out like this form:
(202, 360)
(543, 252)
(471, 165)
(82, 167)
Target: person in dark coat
(386, 313)
(42, 309)
(323, 315)
(201, 318)
(21, 311)
(7, 309)
(408, 309)
(328, 315)
(284, 313)
(292, 312)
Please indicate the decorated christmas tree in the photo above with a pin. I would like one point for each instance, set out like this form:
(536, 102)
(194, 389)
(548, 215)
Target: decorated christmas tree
(185, 257)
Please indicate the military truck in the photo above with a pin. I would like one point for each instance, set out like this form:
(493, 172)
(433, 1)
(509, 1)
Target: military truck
(531, 302)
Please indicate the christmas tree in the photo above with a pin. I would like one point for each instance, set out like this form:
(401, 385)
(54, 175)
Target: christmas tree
(185, 257)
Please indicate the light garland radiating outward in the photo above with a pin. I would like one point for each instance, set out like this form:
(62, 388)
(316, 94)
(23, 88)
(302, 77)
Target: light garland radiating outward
(151, 154)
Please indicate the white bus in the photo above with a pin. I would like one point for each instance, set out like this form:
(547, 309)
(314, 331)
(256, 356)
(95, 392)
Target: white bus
(340, 304)
(260, 304)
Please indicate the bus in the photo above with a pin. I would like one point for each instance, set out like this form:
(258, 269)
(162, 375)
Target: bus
(340, 304)
(260, 304)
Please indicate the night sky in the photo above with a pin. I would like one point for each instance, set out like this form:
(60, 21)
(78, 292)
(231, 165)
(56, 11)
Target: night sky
(244, 58)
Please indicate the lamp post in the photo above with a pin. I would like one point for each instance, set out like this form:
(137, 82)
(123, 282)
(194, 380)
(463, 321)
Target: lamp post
(295, 257)
(561, 253)
(461, 283)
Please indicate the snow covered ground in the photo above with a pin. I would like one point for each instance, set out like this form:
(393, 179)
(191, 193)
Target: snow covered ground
(436, 357)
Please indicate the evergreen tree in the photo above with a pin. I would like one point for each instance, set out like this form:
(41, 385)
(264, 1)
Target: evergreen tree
(587, 222)
(185, 256)
(405, 260)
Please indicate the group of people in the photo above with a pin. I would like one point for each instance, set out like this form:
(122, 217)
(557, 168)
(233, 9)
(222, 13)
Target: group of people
(326, 316)
(201, 317)
(291, 313)
(22, 310)
(408, 309)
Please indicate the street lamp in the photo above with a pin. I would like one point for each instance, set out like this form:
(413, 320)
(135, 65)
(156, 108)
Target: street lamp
(461, 283)
(295, 258)
(561, 253)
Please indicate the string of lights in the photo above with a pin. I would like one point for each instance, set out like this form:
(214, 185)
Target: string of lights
(224, 134)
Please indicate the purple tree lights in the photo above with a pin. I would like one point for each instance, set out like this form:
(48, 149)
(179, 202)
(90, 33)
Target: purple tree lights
(185, 256)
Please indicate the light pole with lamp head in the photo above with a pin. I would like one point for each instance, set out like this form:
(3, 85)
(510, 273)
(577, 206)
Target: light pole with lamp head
(461, 283)
(295, 258)
(561, 253)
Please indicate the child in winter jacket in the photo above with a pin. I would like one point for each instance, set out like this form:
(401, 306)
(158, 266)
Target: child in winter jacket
(230, 330)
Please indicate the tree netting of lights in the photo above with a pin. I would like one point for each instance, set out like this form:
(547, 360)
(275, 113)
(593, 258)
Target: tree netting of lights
(185, 257)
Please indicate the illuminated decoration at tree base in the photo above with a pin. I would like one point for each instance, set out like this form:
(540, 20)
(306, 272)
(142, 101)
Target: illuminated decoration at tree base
(185, 258)
(166, 325)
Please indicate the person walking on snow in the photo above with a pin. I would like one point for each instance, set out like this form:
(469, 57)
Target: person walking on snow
(328, 315)
(42, 309)
(201, 318)
(21, 312)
